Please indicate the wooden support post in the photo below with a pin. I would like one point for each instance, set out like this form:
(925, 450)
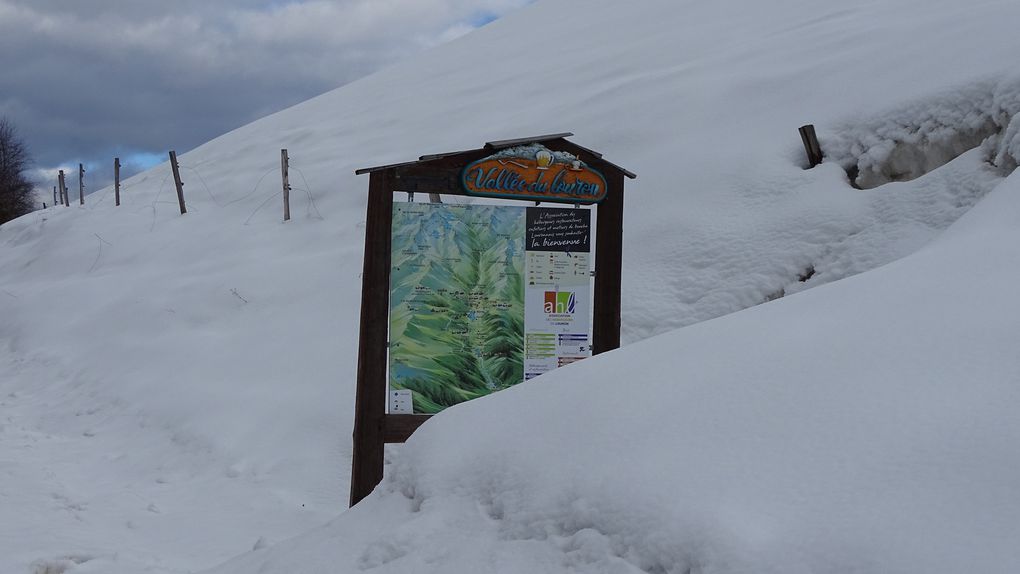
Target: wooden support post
(370, 403)
(63, 188)
(811, 145)
(285, 169)
(177, 181)
(54, 195)
(116, 180)
(81, 184)
(608, 267)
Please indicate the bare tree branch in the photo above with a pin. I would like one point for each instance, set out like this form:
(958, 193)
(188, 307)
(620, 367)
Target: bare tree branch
(16, 191)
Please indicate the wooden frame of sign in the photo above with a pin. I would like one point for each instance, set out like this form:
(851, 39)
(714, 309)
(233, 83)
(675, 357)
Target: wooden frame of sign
(444, 174)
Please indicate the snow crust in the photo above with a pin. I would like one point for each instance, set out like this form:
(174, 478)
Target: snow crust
(176, 390)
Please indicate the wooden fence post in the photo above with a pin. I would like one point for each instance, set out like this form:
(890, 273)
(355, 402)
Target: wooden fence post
(63, 190)
(285, 169)
(81, 184)
(116, 180)
(177, 181)
(54, 195)
(811, 145)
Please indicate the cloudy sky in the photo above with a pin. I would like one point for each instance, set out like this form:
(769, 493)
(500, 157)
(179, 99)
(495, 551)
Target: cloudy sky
(87, 80)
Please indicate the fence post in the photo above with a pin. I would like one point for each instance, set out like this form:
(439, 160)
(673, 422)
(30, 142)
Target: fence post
(63, 189)
(811, 145)
(177, 181)
(116, 180)
(54, 195)
(285, 169)
(81, 184)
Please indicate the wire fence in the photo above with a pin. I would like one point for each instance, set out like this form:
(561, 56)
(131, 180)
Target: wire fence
(95, 175)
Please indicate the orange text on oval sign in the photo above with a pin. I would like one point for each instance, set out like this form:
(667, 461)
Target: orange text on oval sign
(536, 179)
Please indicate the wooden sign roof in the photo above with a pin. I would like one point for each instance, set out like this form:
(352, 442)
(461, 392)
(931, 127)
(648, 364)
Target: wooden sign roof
(555, 142)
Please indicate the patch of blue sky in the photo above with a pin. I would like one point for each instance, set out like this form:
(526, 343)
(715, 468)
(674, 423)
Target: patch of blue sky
(143, 160)
(482, 18)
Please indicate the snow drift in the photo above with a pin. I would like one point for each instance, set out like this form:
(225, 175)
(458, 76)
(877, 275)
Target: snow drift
(866, 426)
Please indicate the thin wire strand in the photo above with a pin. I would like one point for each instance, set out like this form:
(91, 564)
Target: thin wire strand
(99, 253)
(253, 190)
(154, 201)
(103, 197)
(308, 192)
(202, 179)
(261, 205)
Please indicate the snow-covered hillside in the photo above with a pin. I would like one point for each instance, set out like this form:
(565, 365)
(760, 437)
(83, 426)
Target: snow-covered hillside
(178, 389)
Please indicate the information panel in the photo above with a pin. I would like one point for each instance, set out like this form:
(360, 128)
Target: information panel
(483, 297)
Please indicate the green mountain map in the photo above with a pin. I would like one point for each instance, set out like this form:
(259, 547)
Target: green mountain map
(456, 301)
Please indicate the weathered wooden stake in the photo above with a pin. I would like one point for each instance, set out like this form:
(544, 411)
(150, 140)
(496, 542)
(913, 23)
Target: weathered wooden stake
(116, 180)
(54, 195)
(81, 184)
(811, 145)
(177, 181)
(63, 189)
(285, 169)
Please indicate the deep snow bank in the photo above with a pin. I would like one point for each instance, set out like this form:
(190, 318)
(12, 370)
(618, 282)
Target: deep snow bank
(866, 426)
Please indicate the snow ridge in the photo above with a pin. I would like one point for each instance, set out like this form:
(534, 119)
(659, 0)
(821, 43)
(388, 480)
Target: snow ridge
(916, 138)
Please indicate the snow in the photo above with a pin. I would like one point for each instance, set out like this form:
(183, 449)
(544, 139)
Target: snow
(178, 390)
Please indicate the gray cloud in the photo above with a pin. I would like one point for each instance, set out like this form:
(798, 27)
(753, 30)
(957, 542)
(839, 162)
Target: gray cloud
(85, 81)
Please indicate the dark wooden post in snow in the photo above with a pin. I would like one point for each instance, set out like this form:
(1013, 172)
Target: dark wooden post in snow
(116, 180)
(81, 184)
(177, 181)
(367, 469)
(63, 190)
(285, 169)
(54, 195)
(811, 145)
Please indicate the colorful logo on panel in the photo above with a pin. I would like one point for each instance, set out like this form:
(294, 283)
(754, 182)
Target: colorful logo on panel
(560, 302)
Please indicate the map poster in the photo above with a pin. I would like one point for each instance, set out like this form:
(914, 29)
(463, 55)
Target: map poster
(483, 297)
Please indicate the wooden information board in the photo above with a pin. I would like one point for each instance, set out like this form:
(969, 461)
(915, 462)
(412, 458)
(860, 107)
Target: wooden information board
(543, 169)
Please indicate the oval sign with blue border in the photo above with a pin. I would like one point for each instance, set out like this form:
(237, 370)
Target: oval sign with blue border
(534, 173)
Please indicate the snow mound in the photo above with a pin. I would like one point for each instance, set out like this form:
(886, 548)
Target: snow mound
(912, 140)
(865, 426)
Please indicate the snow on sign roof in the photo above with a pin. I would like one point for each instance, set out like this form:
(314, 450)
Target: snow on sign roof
(557, 141)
